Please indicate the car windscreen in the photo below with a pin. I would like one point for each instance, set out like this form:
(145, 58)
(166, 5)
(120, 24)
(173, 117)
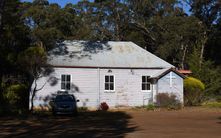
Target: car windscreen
(64, 98)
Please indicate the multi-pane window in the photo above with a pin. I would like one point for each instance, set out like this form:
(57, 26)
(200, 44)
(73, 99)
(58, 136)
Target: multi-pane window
(65, 82)
(109, 82)
(146, 83)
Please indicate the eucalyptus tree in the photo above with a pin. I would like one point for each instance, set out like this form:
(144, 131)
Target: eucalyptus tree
(179, 37)
(143, 15)
(49, 23)
(14, 38)
(112, 18)
(2, 4)
(209, 13)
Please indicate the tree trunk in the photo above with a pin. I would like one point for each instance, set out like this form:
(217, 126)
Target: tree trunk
(1, 93)
(183, 57)
(32, 96)
(202, 48)
(117, 23)
(2, 4)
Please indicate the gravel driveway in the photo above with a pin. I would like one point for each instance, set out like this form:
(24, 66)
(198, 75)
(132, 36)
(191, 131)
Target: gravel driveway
(186, 123)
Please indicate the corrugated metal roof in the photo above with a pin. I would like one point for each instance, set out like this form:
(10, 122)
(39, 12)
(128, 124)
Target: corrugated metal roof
(160, 72)
(163, 72)
(104, 54)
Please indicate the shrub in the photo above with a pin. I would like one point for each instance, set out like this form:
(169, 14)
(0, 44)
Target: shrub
(193, 91)
(212, 104)
(82, 109)
(218, 98)
(150, 107)
(104, 106)
(169, 101)
(15, 95)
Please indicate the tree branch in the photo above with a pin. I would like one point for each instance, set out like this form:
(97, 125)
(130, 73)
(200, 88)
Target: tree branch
(144, 29)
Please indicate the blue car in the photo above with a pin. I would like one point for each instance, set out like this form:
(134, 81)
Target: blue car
(64, 103)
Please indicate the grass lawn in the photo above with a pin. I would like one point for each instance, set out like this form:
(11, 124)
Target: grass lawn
(188, 122)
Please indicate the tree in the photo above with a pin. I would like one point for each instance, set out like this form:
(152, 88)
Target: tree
(179, 36)
(207, 73)
(40, 2)
(112, 19)
(145, 15)
(14, 38)
(208, 12)
(49, 23)
(33, 60)
(2, 4)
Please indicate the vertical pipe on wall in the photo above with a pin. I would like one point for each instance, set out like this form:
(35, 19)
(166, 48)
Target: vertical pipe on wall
(99, 92)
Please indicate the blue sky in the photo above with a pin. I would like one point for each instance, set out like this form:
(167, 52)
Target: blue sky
(64, 2)
(60, 2)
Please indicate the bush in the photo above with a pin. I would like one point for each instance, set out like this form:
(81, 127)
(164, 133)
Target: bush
(169, 101)
(82, 109)
(150, 107)
(15, 95)
(218, 98)
(212, 104)
(104, 106)
(193, 91)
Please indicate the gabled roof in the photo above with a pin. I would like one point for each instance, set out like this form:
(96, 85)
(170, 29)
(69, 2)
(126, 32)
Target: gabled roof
(163, 72)
(104, 54)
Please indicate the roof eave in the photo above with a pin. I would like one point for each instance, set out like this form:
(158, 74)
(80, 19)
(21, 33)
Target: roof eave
(167, 71)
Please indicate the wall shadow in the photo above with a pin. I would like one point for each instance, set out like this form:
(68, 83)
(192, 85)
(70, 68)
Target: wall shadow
(87, 124)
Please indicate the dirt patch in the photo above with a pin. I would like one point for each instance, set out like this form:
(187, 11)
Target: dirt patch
(190, 122)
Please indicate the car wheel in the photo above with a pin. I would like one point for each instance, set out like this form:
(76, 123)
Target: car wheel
(75, 113)
(54, 113)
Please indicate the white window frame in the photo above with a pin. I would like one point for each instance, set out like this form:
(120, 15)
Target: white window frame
(70, 81)
(109, 82)
(145, 83)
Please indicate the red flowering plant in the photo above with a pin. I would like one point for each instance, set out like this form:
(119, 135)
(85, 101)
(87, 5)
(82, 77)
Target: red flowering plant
(104, 106)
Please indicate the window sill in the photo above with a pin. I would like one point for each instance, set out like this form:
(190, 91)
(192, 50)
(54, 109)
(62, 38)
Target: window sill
(146, 90)
(109, 91)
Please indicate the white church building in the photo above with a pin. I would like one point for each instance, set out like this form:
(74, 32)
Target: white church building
(118, 73)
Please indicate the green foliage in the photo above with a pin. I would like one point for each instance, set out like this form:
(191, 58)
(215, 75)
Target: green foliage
(33, 59)
(193, 91)
(179, 37)
(50, 23)
(150, 107)
(193, 84)
(168, 101)
(14, 94)
(207, 73)
(212, 104)
(208, 11)
(218, 98)
(82, 109)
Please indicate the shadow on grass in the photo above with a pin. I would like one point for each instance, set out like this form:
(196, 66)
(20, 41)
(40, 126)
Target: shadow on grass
(87, 124)
(219, 120)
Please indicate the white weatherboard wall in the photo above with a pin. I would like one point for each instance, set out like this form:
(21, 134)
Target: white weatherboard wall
(164, 85)
(88, 86)
(84, 83)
